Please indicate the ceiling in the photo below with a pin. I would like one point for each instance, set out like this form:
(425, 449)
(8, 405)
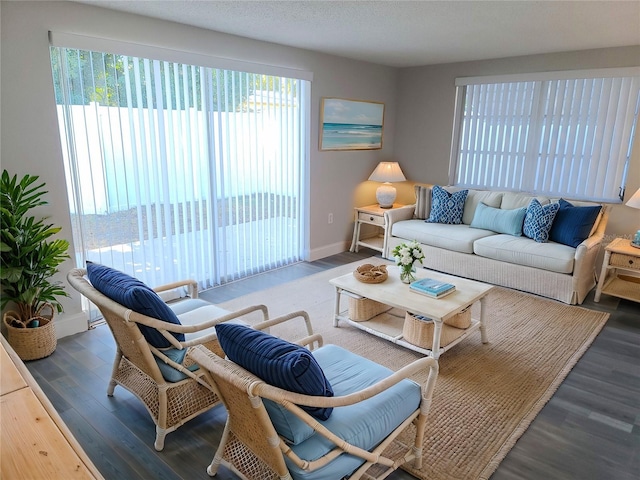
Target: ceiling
(410, 33)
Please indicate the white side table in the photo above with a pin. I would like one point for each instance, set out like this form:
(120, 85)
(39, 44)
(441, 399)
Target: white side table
(620, 257)
(371, 215)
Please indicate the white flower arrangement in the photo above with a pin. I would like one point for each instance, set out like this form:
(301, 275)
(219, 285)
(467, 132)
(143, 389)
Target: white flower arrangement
(406, 255)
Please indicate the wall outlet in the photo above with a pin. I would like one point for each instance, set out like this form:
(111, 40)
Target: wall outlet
(330, 220)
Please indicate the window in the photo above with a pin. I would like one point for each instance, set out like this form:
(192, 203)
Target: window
(561, 134)
(177, 170)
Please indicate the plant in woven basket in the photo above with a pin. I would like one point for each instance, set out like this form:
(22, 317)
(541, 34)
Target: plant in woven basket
(407, 255)
(29, 256)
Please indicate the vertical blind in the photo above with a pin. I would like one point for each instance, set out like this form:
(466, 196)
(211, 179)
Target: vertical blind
(567, 137)
(182, 171)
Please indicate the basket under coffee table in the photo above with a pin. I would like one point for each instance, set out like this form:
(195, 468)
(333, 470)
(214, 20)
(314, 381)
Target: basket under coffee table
(397, 295)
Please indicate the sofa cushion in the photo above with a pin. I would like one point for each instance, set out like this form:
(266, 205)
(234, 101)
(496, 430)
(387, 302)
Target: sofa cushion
(276, 361)
(511, 200)
(458, 238)
(193, 311)
(364, 424)
(169, 373)
(499, 220)
(539, 219)
(475, 198)
(423, 202)
(573, 224)
(135, 295)
(553, 257)
(446, 207)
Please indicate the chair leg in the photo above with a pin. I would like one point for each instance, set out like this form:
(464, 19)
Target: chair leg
(212, 469)
(161, 433)
(114, 372)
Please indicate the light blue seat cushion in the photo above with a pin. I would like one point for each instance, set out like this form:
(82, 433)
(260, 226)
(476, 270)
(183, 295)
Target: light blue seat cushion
(499, 220)
(365, 424)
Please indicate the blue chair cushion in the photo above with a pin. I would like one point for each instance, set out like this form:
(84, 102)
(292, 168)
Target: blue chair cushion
(572, 224)
(499, 220)
(169, 373)
(539, 219)
(365, 424)
(134, 294)
(276, 361)
(446, 207)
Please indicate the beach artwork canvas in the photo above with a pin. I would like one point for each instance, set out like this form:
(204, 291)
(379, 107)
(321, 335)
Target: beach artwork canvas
(351, 124)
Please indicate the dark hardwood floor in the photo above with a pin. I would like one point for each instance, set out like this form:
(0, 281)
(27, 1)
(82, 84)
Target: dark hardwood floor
(590, 429)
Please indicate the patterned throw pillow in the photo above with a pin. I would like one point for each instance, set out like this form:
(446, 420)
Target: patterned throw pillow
(539, 219)
(446, 207)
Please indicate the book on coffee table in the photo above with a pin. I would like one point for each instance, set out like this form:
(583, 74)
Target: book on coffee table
(432, 288)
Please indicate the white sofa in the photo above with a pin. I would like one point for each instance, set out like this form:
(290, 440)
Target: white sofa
(550, 269)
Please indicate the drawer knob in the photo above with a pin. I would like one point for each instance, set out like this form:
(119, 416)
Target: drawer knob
(371, 219)
(631, 261)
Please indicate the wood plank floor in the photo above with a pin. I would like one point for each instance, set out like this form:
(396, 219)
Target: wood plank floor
(590, 429)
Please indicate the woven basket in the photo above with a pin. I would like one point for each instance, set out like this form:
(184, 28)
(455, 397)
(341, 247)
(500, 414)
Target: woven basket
(369, 273)
(420, 332)
(460, 320)
(32, 343)
(363, 309)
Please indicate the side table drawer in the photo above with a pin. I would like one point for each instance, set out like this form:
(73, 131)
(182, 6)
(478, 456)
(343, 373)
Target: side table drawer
(625, 261)
(367, 217)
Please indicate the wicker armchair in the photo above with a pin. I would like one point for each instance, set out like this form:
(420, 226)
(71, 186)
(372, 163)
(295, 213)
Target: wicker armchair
(252, 448)
(170, 404)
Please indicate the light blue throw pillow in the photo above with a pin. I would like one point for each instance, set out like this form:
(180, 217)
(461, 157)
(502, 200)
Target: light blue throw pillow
(446, 207)
(539, 220)
(498, 220)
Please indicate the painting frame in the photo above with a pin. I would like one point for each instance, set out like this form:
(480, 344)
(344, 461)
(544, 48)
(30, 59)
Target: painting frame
(347, 124)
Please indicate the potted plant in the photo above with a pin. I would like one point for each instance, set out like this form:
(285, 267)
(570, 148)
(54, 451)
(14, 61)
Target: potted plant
(29, 260)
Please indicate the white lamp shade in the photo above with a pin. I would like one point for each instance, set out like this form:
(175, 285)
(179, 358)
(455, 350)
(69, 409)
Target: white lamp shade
(387, 172)
(634, 201)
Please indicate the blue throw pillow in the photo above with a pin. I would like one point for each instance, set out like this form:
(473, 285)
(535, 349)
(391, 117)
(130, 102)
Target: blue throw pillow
(498, 220)
(572, 224)
(539, 219)
(446, 207)
(132, 293)
(277, 362)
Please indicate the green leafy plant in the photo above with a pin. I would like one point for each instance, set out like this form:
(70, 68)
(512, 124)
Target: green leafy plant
(29, 257)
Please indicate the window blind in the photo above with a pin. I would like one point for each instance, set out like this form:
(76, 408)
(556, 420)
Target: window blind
(557, 136)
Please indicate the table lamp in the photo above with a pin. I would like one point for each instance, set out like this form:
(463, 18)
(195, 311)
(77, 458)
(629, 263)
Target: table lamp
(387, 172)
(634, 202)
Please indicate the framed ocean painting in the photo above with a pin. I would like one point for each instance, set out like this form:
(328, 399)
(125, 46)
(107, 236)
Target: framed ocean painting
(351, 124)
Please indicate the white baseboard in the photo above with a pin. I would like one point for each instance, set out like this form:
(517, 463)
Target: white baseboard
(328, 250)
(70, 324)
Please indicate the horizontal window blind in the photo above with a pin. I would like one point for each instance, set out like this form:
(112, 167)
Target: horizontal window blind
(559, 137)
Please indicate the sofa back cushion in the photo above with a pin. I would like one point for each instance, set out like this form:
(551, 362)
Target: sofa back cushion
(511, 200)
(475, 198)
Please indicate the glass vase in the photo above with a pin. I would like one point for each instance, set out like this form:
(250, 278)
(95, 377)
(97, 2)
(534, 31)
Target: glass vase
(407, 273)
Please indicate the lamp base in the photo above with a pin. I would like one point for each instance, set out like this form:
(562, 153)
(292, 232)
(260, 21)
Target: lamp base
(386, 195)
(636, 240)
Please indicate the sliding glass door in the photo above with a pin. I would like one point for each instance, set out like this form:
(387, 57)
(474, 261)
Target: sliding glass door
(181, 171)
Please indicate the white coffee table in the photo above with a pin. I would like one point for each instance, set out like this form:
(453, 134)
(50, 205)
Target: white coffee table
(397, 294)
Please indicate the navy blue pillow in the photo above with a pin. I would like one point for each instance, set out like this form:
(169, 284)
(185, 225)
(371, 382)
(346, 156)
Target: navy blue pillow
(277, 362)
(132, 293)
(572, 224)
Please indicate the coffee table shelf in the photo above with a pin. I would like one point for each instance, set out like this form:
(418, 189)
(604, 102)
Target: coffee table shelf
(396, 294)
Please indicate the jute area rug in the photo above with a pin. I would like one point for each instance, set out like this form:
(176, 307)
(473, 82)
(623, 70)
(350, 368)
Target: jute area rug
(486, 394)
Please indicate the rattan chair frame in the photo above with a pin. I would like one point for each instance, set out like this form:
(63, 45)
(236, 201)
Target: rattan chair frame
(250, 446)
(169, 404)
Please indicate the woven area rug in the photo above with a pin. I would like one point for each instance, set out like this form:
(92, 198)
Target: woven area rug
(487, 394)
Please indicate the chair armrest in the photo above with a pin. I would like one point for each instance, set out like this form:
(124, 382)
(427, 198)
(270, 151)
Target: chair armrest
(310, 337)
(166, 328)
(192, 287)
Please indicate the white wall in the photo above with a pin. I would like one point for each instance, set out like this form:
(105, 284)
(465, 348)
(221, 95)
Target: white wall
(426, 97)
(29, 140)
